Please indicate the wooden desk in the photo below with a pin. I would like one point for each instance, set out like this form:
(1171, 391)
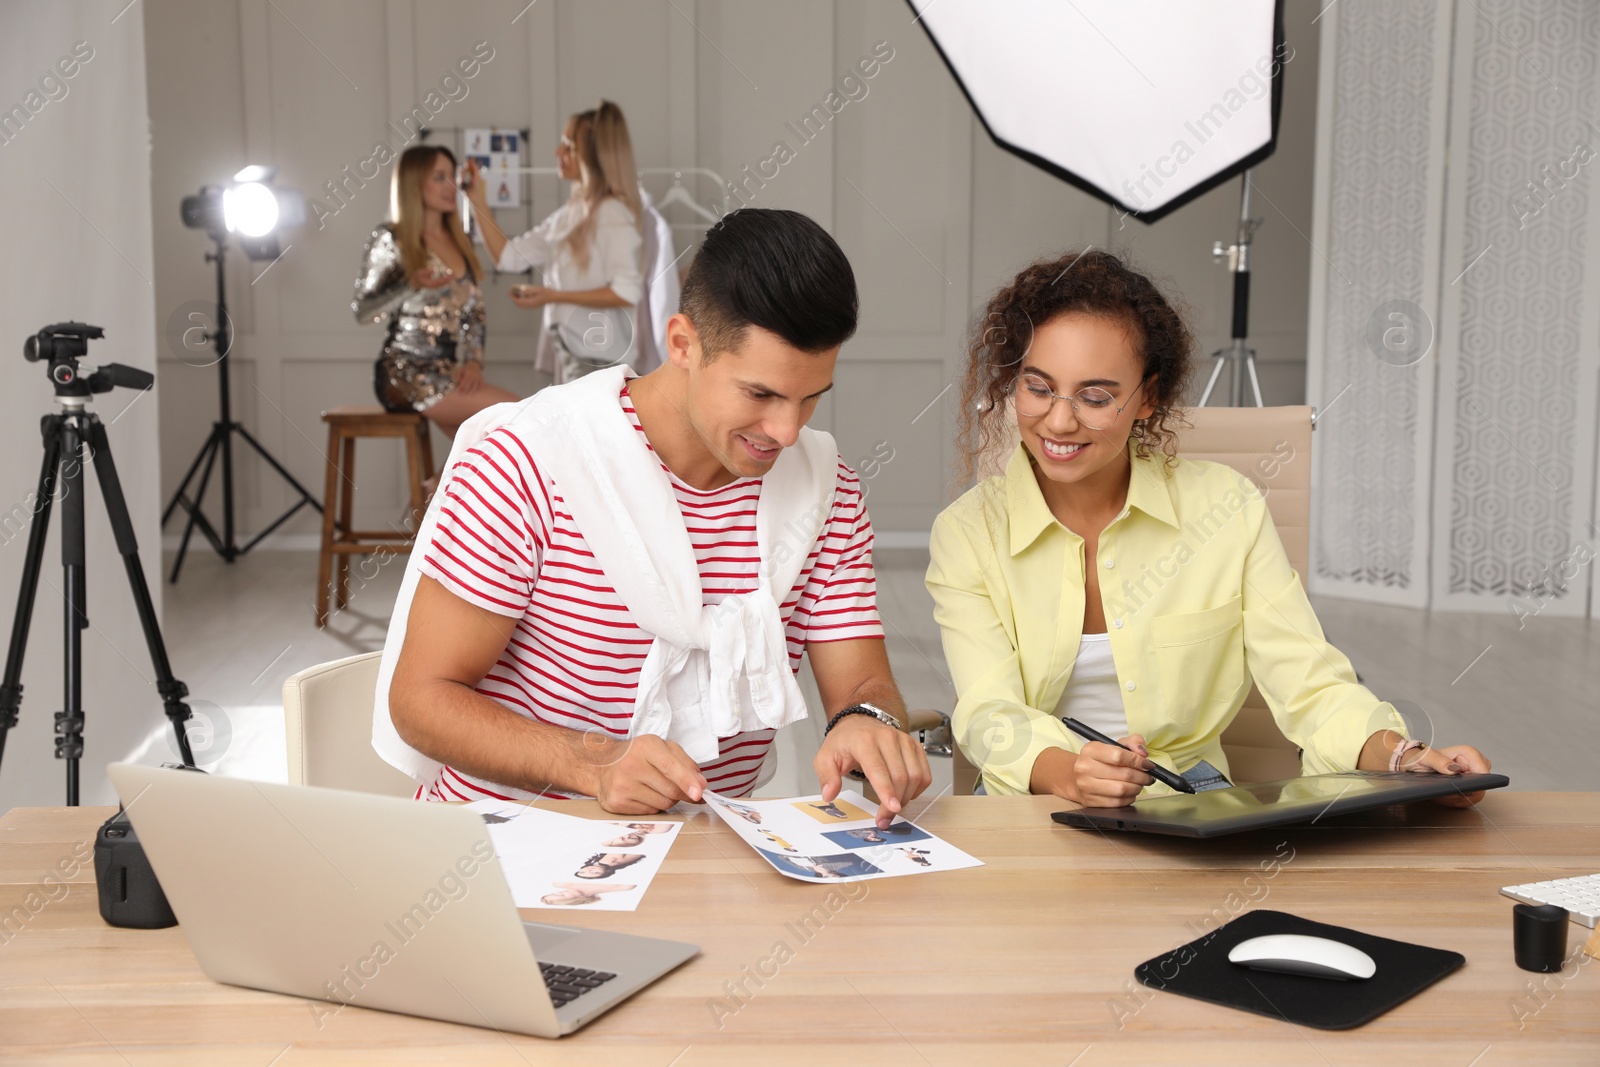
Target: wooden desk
(1027, 960)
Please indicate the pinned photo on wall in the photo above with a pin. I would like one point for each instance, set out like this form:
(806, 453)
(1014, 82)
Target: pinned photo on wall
(499, 155)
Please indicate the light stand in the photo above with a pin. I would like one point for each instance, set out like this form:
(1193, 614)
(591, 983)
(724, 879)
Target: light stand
(67, 435)
(220, 442)
(1238, 353)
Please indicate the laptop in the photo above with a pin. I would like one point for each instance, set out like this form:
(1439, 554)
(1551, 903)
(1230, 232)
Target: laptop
(1216, 812)
(370, 901)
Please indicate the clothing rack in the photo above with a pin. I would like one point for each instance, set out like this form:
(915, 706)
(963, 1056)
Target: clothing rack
(676, 194)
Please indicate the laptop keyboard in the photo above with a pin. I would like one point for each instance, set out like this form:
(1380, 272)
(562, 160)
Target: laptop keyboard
(567, 984)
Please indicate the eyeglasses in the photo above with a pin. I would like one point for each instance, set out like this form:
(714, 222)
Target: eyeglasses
(1093, 406)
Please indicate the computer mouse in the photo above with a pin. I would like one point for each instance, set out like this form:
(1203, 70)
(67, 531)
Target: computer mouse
(1314, 957)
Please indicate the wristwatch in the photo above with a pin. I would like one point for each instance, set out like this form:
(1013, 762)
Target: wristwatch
(864, 709)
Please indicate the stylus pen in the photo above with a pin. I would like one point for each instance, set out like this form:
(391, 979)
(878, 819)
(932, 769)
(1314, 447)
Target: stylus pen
(1156, 771)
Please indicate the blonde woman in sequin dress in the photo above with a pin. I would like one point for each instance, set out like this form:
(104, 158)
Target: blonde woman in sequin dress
(419, 278)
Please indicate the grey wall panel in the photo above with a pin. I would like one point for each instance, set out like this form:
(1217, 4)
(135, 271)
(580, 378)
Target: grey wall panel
(932, 215)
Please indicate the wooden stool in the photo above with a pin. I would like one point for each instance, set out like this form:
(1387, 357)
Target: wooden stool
(345, 424)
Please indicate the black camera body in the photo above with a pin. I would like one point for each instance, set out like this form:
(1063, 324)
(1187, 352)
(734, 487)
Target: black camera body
(63, 344)
(130, 895)
(64, 340)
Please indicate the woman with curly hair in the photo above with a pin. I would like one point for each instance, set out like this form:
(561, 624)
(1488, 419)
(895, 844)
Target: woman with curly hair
(1103, 578)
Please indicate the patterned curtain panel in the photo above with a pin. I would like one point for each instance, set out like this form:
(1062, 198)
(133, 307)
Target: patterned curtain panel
(1517, 391)
(1456, 320)
(1378, 285)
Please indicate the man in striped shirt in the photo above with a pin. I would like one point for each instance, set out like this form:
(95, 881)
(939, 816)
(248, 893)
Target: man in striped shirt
(521, 663)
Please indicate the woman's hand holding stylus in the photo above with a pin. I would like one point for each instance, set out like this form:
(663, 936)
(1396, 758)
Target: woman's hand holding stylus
(1105, 776)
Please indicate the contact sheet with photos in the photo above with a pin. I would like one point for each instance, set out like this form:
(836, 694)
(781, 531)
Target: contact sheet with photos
(814, 840)
(561, 861)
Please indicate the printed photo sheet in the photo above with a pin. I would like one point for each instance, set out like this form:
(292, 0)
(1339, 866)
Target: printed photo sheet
(499, 155)
(815, 841)
(561, 861)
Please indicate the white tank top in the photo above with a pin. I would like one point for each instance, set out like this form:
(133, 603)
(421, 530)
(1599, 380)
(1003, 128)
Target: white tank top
(1092, 695)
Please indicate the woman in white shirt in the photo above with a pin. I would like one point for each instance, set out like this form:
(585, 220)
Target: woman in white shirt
(589, 249)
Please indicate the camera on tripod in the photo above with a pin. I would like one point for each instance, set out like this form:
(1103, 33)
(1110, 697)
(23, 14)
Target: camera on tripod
(64, 340)
(63, 344)
(75, 438)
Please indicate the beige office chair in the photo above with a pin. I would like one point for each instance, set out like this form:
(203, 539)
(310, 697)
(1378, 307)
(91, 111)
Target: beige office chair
(1256, 442)
(327, 716)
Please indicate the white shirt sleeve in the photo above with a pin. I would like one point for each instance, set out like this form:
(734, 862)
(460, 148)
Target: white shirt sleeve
(617, 244)
(532, 249)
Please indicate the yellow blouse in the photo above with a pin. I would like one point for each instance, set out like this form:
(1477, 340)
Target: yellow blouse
(1199, 598)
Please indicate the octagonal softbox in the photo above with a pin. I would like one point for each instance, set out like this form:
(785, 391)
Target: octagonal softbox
(1145, 104)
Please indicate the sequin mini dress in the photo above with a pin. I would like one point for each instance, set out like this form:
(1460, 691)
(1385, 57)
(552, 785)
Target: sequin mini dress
(426, 331)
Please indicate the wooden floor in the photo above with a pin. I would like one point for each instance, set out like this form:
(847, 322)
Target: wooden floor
(1530, 698)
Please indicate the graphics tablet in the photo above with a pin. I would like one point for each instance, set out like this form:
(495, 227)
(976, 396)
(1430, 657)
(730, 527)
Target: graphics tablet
(1216, 812)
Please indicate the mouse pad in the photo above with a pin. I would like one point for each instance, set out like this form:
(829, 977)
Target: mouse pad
(1200, 969)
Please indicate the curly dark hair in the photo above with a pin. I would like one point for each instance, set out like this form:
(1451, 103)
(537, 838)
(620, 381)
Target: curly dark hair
(1092, 282)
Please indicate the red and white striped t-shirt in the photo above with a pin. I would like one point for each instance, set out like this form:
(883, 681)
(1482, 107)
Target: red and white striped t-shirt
(505, 542)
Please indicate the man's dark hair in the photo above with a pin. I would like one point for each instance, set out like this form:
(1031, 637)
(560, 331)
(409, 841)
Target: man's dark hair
(774, 269)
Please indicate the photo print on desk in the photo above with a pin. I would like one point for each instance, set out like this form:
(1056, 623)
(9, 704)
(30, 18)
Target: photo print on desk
(838, 811)
(822, 868)
(636, 833)
(553, 860)
(744, 811)
(897, 833)
(782, 845)
(786, 833)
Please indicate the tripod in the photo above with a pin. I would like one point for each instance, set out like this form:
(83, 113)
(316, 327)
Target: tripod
(220, 442)
(66, 434)
(1239, 353)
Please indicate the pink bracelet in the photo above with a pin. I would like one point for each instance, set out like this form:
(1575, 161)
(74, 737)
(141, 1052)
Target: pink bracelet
(1400, 750)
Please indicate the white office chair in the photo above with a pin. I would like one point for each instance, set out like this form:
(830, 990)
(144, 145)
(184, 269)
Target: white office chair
(327, 716)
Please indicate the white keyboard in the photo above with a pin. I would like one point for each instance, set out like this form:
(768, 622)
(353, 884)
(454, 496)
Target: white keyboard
(1580, 896)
